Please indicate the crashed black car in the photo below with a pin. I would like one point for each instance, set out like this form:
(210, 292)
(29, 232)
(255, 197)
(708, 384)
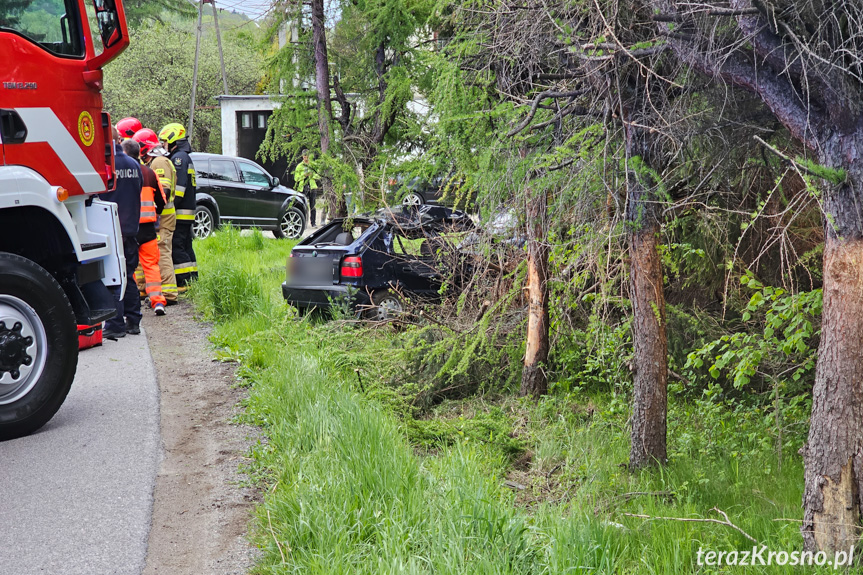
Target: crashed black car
(371, 263)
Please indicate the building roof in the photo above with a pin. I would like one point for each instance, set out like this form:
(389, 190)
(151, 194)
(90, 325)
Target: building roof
(244, 97)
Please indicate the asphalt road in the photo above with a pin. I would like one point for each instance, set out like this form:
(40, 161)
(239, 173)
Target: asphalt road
(76, 497)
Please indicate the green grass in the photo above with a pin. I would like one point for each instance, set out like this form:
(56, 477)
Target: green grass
(358, 480)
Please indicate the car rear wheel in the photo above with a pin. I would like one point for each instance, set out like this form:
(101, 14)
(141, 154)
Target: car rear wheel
(388, 305)
(204, 223)
(291, 225)
(413, 199)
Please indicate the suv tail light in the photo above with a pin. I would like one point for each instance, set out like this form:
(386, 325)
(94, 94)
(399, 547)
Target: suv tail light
(352, 267)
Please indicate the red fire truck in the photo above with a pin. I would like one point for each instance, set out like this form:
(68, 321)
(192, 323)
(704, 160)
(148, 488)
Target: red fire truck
(60, 246)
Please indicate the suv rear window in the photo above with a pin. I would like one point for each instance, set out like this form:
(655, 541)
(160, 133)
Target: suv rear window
(52, 24)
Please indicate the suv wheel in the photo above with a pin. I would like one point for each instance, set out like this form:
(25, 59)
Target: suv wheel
(413, 199)
(291, 224)
(204, 223)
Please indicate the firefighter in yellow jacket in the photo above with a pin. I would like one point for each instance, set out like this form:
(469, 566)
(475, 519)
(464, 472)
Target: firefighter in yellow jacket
(154, 155)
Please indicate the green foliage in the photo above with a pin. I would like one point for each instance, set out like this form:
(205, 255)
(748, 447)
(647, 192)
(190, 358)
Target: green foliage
(152, 79)
(596, 358)
(236, 290)
(375, 58)
(138, 12)
(493, 428)
(832, 175)
(782, 345)
(682, 260)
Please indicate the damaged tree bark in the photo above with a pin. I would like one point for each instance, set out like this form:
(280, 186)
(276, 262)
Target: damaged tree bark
(534, 380)
(834, 451)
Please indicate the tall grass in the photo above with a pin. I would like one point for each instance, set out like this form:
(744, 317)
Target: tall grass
(346, 491)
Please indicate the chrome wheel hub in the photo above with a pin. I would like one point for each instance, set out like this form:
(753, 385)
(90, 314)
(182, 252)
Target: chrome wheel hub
(203, 225)
(291, 224)
(23, 348)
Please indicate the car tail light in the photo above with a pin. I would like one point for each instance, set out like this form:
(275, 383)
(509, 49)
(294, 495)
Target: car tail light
(352, 267)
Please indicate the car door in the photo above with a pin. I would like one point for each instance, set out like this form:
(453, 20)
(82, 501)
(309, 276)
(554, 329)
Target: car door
(226, 188)
(413, 270)
(261, 204)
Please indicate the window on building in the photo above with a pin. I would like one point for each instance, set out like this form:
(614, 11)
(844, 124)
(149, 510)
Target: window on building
(262, 121)
(246, 121)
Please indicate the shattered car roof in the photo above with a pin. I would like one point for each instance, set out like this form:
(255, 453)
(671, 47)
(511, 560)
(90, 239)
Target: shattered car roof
(419, 220)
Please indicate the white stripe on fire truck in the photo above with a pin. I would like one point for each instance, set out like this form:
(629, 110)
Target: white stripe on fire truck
(43, 125)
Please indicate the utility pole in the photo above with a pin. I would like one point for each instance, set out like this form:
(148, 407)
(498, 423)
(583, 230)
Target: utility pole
(195, 71)
(219, 41)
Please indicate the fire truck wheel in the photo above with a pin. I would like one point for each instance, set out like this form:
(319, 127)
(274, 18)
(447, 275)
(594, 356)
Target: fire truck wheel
(38, 346)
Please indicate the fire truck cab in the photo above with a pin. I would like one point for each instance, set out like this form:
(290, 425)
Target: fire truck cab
(60, 246)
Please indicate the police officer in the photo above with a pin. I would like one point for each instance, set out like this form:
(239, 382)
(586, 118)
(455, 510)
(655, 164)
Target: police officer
(152, 204)
(173, 136)
(127, 196)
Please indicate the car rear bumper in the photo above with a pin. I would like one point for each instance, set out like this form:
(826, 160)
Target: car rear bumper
(323, 296)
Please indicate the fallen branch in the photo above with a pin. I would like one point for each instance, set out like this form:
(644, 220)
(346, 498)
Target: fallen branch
(631, 495)
(727, 521)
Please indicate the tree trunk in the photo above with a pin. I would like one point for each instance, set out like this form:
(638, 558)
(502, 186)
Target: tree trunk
(650, 376)
(322, 73)
(834, 451)
(322, 86)
(650, 345)
(533, 377)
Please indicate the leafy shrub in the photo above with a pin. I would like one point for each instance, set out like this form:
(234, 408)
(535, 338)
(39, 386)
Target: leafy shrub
(595, 358)
(780, 341)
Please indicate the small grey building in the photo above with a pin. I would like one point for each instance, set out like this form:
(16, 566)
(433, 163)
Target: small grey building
(244, 127)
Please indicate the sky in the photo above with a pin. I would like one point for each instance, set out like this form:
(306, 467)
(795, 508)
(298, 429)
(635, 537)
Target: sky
(252, 8)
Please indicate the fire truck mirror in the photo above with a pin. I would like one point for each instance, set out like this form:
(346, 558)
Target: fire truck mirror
(109, 27)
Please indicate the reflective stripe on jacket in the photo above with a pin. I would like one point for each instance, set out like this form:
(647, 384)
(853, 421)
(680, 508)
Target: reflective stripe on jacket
(152, 199)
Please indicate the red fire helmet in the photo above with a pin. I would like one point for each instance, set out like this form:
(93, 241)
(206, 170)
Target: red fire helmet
(147, 139)
(128, 126)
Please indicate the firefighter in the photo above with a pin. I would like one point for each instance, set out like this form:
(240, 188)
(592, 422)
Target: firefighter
(152, 204)
(127, 196)
(128, 126)
(154, 155)
(185, 266)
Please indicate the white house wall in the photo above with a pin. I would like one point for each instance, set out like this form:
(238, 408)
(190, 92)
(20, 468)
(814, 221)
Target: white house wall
(230, 106)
